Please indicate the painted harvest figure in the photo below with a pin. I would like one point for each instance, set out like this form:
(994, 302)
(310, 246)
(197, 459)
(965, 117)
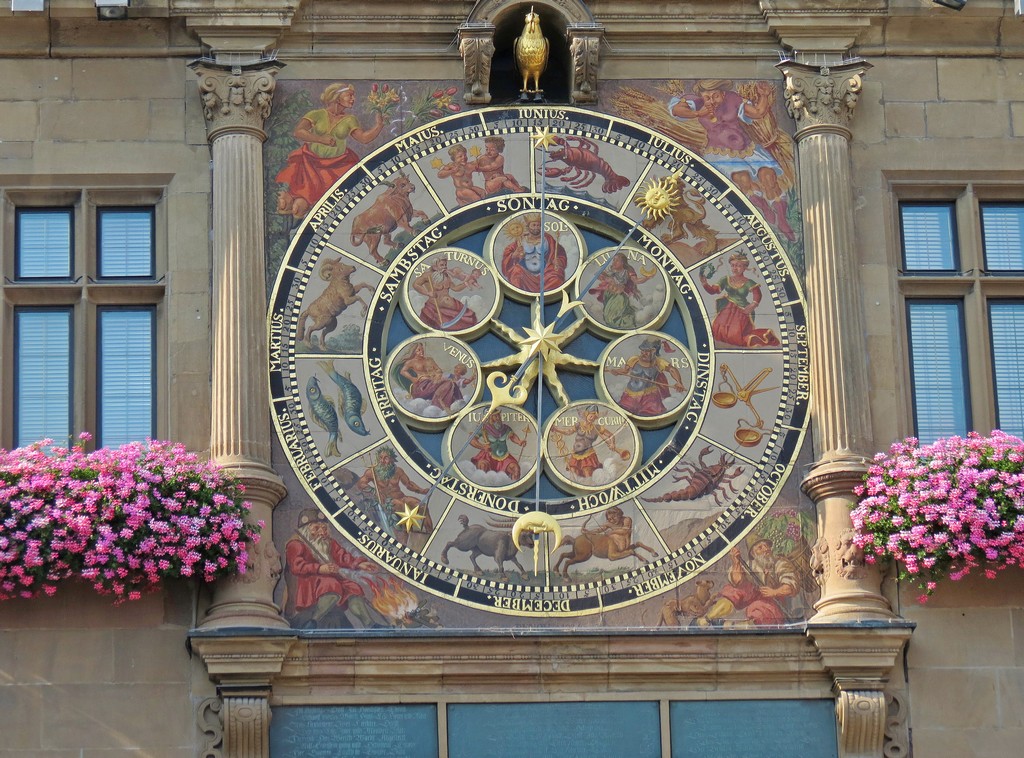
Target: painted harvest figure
(739, 296)
(763, 589)
(324, 155)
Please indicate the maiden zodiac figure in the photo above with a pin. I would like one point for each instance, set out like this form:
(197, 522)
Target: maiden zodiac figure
(739, 296)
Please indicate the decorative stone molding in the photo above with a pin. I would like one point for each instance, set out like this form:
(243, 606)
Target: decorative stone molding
(211, 724)
(236, 99)
(574, 11)
(476, 45)
(860, 659)
(861, 718)
(585, 45)
(897, 729)
(243, 668)
(247, 723)
(823, 98)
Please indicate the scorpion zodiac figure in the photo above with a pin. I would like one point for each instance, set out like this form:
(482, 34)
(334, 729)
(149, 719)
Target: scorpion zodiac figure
(704, 479)
(582, 165)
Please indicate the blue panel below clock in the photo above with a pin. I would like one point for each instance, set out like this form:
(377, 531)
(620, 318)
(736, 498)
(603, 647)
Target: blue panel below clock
(354, 731)
(761, 728)
(530, 730)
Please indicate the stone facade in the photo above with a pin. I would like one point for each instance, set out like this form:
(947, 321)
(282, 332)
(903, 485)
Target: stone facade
(117, 106)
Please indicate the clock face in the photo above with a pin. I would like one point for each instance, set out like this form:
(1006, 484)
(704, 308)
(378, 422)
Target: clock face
(547, 324)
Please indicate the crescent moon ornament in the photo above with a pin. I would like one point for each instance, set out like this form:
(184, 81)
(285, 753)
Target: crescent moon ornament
(536, 523)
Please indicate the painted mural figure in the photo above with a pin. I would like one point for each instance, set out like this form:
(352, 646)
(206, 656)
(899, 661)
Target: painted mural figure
(768, 180)
(384, 482)
(739, 296)
(491, 166)
(744, 181)
(724, 114)
(617, 289)
(324, 154)
(762, 588)
(441, 310)
(532, 250)
(492, 443)
(648, 384)
(318, 577)
(582, 461)
(426, 380)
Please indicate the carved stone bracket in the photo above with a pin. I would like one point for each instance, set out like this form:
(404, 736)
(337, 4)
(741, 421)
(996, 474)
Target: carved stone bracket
(585, 45)
(823, 98)
(236, 98)
(211, 724)
(860, 659)
(476, 45)
(861, 718)
(897, 731)
(243, 667)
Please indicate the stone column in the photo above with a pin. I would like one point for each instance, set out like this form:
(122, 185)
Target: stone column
(585, 45)
(236, 101)
(822, 100)
(476, 45)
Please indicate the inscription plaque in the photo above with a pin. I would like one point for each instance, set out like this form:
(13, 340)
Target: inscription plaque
(354, 731)
(765, 728)
(568, 730)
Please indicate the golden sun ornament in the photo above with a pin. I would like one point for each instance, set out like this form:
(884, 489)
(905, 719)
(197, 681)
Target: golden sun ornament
(660, 197)
(543, 139)
(410, 519)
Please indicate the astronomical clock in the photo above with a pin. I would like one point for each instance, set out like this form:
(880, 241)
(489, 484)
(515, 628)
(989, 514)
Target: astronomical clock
(537, 362)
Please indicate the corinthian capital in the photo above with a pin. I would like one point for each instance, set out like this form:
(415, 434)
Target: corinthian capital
(236, 98)
(822, 97)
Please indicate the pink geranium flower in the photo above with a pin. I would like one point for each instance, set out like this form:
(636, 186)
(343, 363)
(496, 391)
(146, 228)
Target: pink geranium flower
(946, 508)
(122, 519)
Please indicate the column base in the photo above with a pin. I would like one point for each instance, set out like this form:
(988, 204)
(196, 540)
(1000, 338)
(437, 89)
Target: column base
(247, 600)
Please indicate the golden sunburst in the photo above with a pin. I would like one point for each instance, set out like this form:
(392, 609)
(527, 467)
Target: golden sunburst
(410, 519)
(660, 197)
(544, 138)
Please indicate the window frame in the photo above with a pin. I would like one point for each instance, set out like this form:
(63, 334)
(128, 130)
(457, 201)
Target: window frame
(972, 284)
(22, 211)
(86, 293)
(18, 313)
(103, 209)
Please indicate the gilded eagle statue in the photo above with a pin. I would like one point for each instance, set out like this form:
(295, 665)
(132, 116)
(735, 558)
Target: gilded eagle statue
(531, 51)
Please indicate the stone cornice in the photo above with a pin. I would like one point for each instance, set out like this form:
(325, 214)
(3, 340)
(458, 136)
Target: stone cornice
(573, 663)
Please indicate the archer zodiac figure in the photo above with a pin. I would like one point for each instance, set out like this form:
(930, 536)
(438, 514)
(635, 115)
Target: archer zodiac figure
(531, 51)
